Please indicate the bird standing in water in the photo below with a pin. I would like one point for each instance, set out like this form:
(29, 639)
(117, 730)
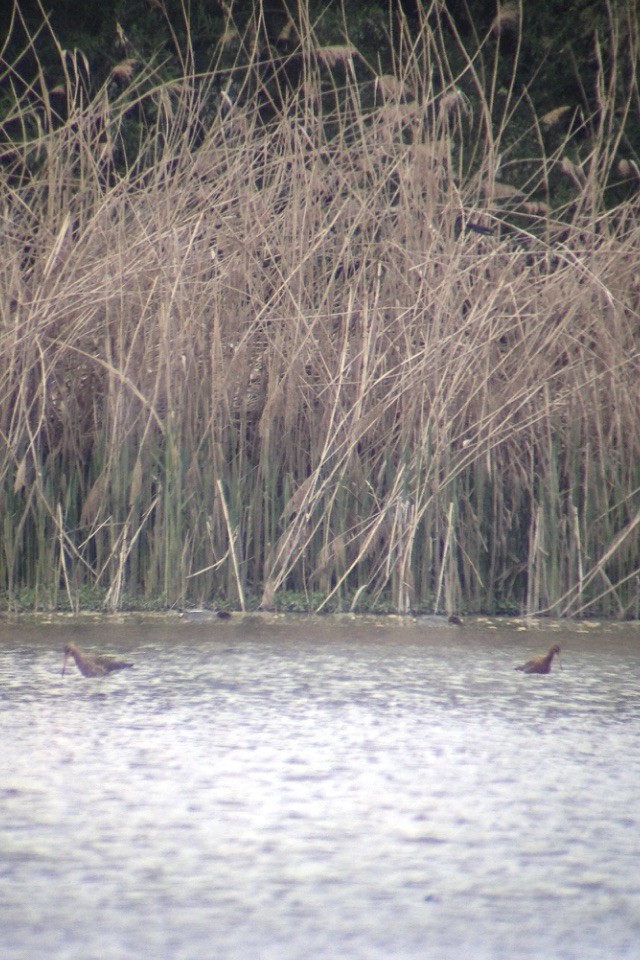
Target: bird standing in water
(97, 666)
(542, 664)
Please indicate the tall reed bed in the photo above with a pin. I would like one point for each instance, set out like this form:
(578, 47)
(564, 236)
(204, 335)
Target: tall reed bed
(312, 340)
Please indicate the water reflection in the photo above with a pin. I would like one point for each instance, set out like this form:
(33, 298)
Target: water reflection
(320, 788)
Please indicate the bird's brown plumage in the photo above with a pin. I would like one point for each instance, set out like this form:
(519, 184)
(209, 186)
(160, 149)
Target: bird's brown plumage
(541, 664)
(92, 666)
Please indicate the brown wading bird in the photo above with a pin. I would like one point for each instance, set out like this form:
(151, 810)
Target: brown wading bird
(542, 664)
(98, 666)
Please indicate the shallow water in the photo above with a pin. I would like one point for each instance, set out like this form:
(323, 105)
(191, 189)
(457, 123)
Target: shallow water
(283, 789)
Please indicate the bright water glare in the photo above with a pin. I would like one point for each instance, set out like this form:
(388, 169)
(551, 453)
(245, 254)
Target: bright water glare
(284, 789)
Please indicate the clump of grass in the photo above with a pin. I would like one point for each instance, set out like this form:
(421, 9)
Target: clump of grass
(305, 340)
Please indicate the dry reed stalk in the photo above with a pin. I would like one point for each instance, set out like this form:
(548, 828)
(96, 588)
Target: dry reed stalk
(289, 311)
(232, 534)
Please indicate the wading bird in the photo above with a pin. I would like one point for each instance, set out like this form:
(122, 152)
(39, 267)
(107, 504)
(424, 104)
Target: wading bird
(98, 666)
(542, 664)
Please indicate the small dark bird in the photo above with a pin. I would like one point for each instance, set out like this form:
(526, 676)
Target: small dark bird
(471, 226)
(542, 664)
(98, 666)
(478, 228)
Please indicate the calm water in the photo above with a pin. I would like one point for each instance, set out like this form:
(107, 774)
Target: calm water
(325, 789)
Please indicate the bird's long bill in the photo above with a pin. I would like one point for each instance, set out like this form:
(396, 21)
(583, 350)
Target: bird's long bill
(64, 663)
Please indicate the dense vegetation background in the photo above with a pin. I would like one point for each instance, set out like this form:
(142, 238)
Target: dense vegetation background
(320, 305)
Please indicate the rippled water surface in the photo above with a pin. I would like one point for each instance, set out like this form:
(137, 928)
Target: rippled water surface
(285, 789)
